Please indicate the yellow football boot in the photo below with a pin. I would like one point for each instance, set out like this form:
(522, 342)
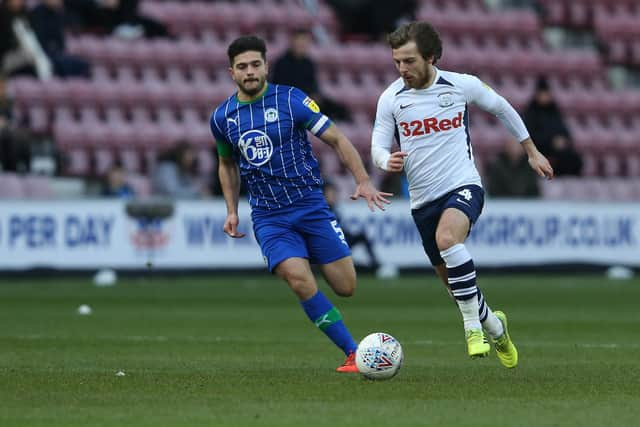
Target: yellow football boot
(476, 344)
(506, 351)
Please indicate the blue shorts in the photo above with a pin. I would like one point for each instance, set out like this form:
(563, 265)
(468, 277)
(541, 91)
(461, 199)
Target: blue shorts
(306, 229)
(469, 199)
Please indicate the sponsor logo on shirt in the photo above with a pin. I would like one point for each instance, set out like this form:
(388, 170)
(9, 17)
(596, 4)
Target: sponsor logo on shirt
(311, 105)
(430, 124)
(256, 147)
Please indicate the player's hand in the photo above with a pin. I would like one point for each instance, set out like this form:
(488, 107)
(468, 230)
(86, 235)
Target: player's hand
(367, 191)
(231, 226)
(541, 165)
(396, 161)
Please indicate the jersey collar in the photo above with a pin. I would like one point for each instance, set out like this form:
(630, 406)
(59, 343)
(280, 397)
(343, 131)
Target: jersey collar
(257, 98)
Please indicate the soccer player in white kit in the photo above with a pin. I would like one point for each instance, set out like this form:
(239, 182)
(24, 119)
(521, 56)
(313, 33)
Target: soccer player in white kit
(426, 110)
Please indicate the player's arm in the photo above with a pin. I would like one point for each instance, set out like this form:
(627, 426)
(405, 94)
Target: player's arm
(308, 115)
(487, 99)
(229, 175)
(382, 139)
(537, 160)
(351, 159)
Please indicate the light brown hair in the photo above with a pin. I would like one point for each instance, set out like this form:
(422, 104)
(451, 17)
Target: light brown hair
(423, 34)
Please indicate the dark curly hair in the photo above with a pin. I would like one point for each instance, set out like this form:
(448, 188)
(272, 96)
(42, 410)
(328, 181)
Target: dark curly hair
(245, 44)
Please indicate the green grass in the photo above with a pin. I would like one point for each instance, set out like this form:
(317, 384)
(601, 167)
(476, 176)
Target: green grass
(238, 351)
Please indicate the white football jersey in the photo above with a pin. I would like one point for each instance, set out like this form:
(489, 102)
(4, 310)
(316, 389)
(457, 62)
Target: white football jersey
(432, 126)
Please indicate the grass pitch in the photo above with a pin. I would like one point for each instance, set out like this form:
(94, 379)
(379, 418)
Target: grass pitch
(238, 351)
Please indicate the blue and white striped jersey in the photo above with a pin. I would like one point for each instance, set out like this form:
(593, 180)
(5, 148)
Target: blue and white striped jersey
(268, 137)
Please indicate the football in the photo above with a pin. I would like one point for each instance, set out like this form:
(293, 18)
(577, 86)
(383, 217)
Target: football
(379, 356)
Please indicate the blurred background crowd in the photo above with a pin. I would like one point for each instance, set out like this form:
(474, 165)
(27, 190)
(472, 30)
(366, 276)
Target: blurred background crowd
(111, 98)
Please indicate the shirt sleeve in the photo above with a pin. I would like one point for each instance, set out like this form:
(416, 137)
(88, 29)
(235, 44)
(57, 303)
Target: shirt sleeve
(307, 114)
(479, 93)
(383, 133)
(224, 147)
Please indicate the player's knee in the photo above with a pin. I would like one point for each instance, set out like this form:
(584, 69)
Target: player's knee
(445, 239)
(346, 291)
(347, 286)
(302, 286)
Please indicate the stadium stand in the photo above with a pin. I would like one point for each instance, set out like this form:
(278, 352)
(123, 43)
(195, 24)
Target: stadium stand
(145, 94)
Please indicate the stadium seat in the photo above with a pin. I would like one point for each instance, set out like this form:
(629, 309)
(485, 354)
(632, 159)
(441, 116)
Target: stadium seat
(141, 89)
(141, 184)
(37, 187)
(11, 186)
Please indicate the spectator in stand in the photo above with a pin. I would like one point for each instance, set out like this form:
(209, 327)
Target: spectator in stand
(48, 22)
(20, 51)
(509, 174)
(15, 142)
(372, 19)
(175, 174)
(296, 68)
(563, 157)
(119, 17)
(543, 117)
(115, 184)
(547, 127)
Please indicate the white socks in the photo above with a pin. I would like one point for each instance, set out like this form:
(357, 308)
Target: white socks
(462, 281)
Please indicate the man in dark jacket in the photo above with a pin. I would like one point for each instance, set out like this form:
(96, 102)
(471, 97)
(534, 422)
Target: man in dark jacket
(48, 22)
(509, 174)
(547, 127)
(296, 68)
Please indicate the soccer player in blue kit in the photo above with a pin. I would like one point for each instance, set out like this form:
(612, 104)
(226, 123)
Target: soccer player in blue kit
(261, 137)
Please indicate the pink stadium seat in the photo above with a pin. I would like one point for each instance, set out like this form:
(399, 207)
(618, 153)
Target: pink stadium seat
(115, 116)
(590, 163)
(63, 113)
(131, 94)
(198, 135)
(38, 117)
(166, 115)
(55, 92)
(26, 91)
(11, 186)
(89, 115)
(206, 162)
(37, 187)
(579, 14)
(81, 92)
(126, 73)
(147, 135)
(552, 190)
(141, 184)
(554, 11)
(181, 80)
(611, 165)
(68, 134)
(632, 165)
(131, 160)
(330, 164)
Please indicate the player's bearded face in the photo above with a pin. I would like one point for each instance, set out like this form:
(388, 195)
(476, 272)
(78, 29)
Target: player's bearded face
(249, 71)
(413, 68)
